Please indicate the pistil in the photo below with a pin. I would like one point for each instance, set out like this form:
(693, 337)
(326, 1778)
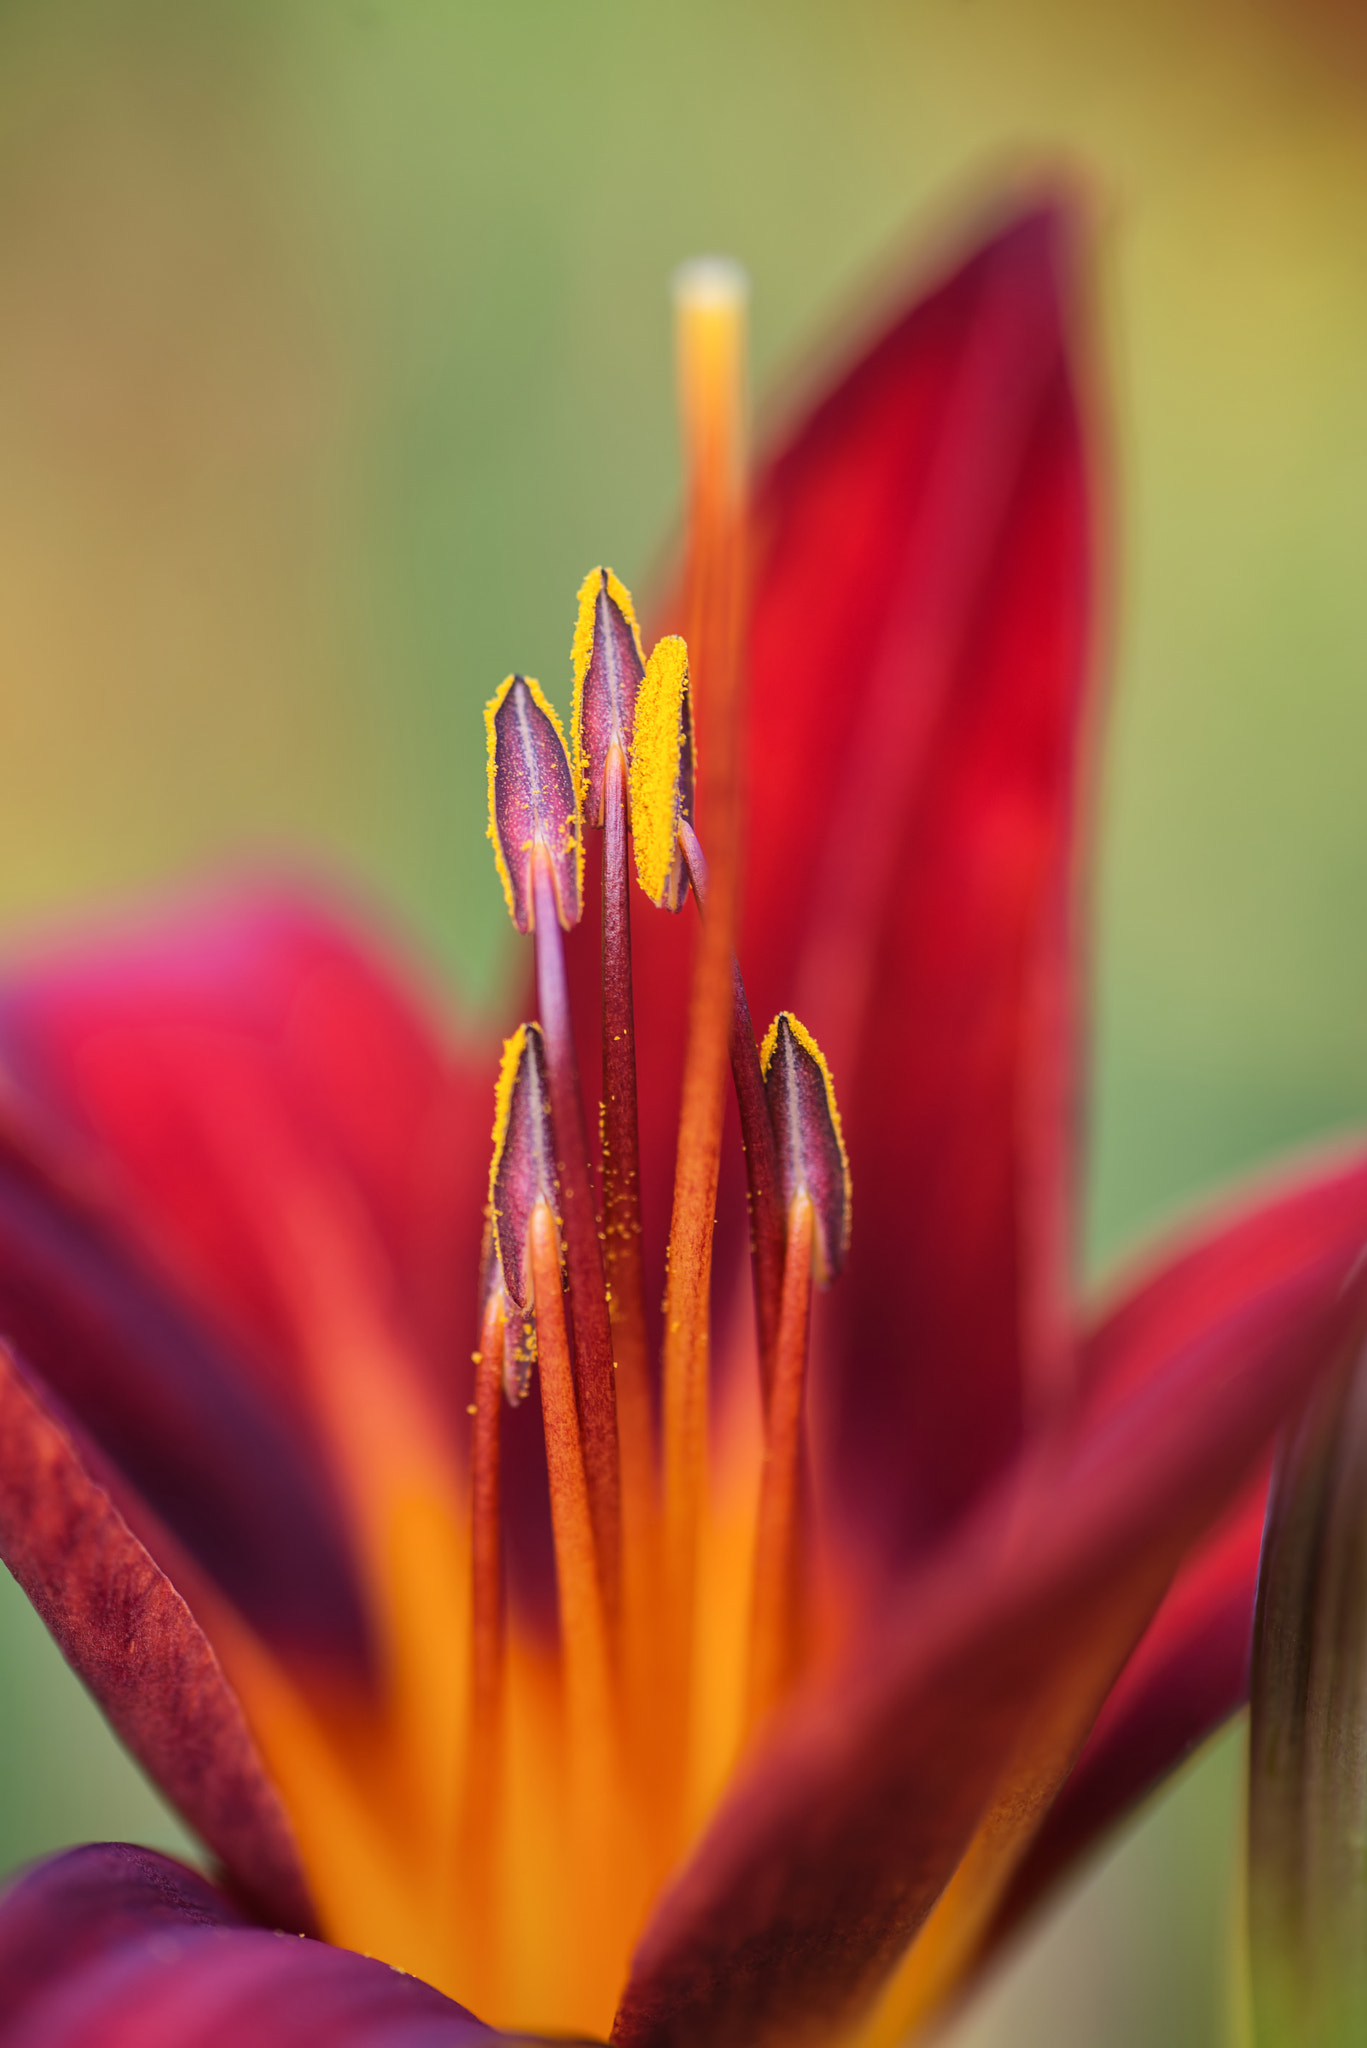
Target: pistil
(710, 303)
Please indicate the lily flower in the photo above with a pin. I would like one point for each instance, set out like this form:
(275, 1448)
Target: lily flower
(752, 1704)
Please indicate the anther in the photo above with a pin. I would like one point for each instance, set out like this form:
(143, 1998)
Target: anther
(662, 773)
(522, 1171)
(608, 666)
(533, 802)
(807, 1135)
(815, 1181)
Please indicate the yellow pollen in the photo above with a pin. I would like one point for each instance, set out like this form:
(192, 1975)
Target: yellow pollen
(513, 1050)
(663, 716)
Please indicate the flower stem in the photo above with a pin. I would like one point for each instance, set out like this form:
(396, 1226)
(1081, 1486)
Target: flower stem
(596, 1396)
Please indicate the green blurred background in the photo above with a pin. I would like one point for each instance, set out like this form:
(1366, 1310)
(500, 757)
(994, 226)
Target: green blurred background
(334, 345)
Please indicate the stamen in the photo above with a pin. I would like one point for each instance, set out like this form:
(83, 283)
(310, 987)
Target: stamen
(533, 801)
(522, 1169)
(710, 303)
(486, 1560)
(815, 1180)
(775, 1640)
(583, 1619)
(767, 1223)
(810, 1142)
(482, 1793)
(534, 824)
(662, 773)
(623, 1253)
(608, 667)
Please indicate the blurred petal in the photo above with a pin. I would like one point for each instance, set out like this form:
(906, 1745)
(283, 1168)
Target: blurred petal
(917, 662)
(124, 1948)
(173, 1408)
(130, 1637)
(130, 1041)
(1188, 1674)
(1307, 1736)
(832, 1851)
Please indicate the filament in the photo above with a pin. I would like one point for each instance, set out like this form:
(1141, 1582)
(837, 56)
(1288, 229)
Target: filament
(622, 1254)
(596, 1395)
(776, 1643)
(767, 1224)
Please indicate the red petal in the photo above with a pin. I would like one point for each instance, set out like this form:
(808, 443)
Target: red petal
(917, 660)
(138, 1040)
(831, 1852)
(125, 1948)
(127, 1633)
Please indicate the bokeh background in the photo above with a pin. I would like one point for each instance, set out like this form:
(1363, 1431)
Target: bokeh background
(333, 347)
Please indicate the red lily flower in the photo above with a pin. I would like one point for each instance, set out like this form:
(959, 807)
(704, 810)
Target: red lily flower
(242, 1175)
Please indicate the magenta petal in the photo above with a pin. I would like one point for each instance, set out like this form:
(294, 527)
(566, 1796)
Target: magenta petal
(113, 1947)
(130, 1637)
(831, 1852)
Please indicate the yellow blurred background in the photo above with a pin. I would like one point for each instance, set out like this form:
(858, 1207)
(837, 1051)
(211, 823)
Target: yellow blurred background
(334, 346)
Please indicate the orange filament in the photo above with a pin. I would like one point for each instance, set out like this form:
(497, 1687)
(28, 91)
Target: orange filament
(486, 1562)
(583, 1622)
(711, 328)
(590, 1708)
(776, 1625)
(482, 1791)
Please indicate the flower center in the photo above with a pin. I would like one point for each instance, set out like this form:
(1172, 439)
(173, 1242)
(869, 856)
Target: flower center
(685, 1582)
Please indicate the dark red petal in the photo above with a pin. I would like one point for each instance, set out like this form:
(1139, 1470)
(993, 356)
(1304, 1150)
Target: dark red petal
(173, 1409)
(125, 1949)
(917, 664)
(130, 1637)
(1190, 1672)
(830, 1853)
